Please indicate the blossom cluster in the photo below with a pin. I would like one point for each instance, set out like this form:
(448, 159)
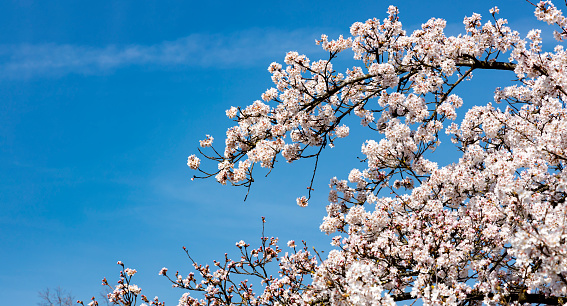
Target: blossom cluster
(491, 227)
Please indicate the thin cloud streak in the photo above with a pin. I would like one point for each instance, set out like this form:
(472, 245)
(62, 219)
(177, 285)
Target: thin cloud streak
(218, 51)
(246, 48)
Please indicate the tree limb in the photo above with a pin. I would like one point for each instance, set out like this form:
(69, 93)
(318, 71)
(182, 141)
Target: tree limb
(474, 63)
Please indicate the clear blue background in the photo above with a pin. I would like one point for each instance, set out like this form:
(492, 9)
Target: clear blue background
(101, 102)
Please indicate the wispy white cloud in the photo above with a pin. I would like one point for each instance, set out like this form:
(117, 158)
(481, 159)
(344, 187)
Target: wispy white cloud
(244, 48)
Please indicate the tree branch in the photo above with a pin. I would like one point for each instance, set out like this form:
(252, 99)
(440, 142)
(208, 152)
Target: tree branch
(474, 63)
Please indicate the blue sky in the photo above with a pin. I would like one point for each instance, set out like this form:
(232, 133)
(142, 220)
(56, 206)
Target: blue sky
(101, 102)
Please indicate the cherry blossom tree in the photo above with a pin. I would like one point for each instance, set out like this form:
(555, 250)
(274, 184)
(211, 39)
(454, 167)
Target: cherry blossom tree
(491, 227)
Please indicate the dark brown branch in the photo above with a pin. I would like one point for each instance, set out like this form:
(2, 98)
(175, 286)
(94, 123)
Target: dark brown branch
(334, 90)
(446, 95)
(473, 63)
